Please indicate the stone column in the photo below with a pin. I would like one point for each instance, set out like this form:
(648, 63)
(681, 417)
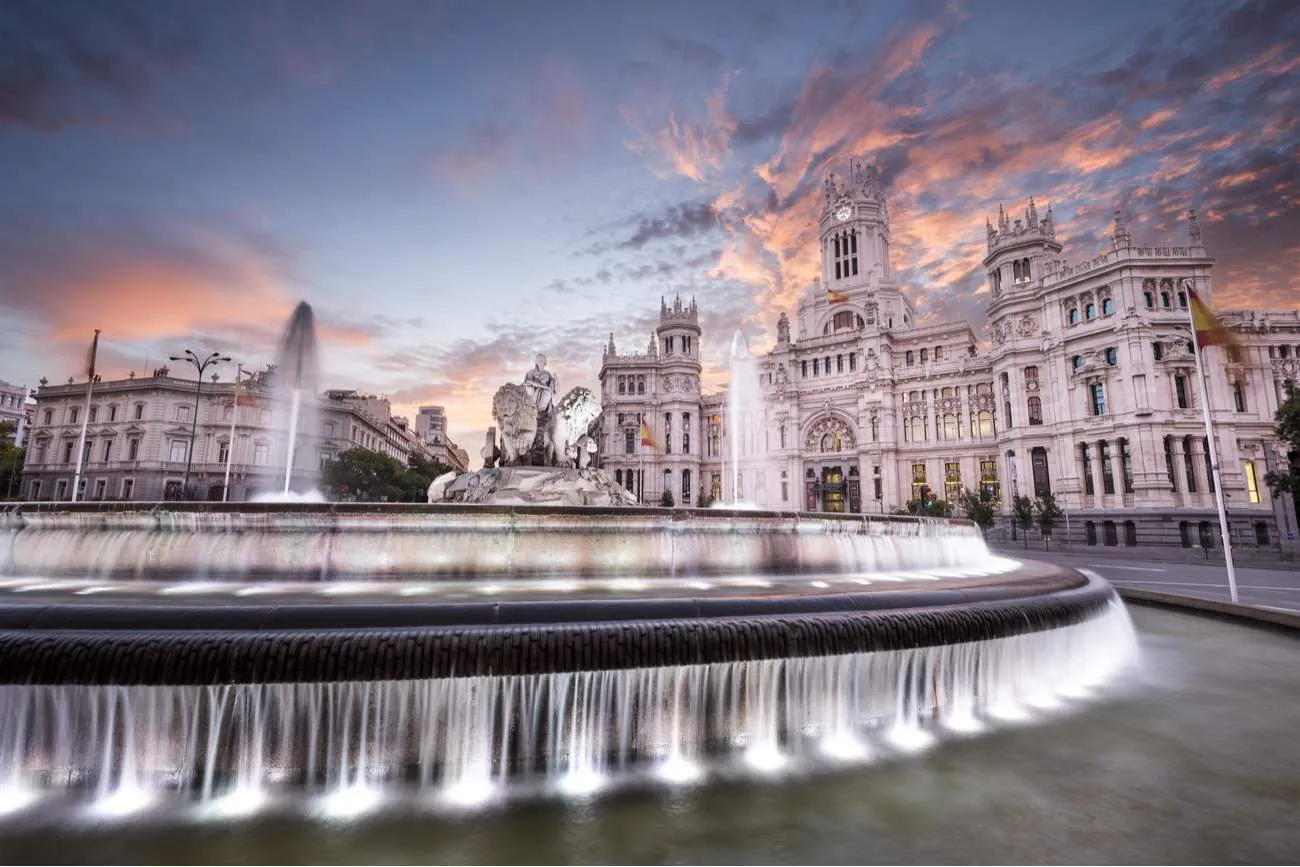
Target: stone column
(1099, 475)
(1180, 470)
(1199, 468)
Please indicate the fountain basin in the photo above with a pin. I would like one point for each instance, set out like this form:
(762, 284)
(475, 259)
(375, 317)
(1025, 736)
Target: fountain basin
(340, 541)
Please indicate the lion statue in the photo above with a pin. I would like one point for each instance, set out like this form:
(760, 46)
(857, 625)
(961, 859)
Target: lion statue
(516, 413)
(573, 416)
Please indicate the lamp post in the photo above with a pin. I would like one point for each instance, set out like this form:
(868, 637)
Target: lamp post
(200, 365)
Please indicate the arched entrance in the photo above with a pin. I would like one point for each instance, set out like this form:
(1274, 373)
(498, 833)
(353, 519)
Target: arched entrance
(831, 477)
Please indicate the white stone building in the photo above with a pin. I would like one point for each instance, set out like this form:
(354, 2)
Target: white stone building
(15, 409)
(139, 431)
(1088, 390)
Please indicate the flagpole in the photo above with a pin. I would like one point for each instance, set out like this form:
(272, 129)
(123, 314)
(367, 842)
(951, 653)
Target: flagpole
(230, 450)
(85, 416)
(1214, 455)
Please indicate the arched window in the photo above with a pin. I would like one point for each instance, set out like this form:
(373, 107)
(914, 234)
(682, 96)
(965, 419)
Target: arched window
(1073, 316)
(1015, 271)
(1107, 306)
(875, 429)
(1090, 312)
(1035, 410)
(1112, 356)
(1077, 361)
(1149, 299)
(618, 477)
(1164, 299)
(1024, 269)
(843, 320)
(925, 355)
(686, 488)
(910, 358)
(1182, 300)
(1031, 372)
(1238, 395)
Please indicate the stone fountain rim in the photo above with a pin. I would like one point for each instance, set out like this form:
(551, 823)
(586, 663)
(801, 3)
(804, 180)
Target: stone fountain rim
(676, 513)
(324, 653)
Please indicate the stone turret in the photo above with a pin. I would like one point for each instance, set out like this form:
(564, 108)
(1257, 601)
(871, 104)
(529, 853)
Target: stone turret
(1019, 250)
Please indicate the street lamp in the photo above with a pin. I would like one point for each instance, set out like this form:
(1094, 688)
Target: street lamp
(200, 365)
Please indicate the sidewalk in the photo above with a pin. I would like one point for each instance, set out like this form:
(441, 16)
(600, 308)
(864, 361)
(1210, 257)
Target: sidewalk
(1257, 558)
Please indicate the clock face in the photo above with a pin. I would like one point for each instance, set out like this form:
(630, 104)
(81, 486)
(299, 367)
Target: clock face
(843, 212)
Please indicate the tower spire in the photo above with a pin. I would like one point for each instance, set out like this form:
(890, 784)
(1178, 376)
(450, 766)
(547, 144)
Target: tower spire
(1193, 228)
(1031, 214)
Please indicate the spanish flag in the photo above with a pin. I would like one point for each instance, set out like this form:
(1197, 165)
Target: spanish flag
(646, 438)
(1209, 330)
(833, 297)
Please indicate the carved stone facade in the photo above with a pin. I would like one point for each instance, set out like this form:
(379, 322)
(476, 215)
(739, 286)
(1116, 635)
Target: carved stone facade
(1087, 388)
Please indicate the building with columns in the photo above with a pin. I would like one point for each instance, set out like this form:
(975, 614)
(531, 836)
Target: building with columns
(139, 431)
(1088, 389)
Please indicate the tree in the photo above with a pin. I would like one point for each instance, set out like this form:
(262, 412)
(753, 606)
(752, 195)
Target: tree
(703, 501)
(1022, 515)
(365, 475)
(1049, 515)
(666, 500)
(929, 508)
(1288, 432)
(979, 507)
(11, 461)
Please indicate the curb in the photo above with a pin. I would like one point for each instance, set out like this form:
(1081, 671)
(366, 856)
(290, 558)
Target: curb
(1211, 608)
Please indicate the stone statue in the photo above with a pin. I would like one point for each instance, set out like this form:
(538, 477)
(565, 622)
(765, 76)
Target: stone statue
(438, 487)
(542, 386)
(515, 410)
(573, 417)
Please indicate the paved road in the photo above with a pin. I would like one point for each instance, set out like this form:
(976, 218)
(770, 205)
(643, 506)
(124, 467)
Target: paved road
(1272, 587)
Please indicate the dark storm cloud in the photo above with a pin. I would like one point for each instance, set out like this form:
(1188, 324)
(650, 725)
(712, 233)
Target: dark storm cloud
(76, 61)
(679, 221)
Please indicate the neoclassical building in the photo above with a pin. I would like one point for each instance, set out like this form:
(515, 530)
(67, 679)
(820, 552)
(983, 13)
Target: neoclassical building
(1088, 390)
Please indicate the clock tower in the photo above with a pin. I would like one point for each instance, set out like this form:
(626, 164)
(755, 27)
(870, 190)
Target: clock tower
(855, 230)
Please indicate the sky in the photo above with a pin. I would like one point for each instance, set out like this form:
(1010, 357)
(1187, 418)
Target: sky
(456, 186)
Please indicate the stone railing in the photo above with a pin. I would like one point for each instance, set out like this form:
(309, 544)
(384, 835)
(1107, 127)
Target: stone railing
(1064, 271)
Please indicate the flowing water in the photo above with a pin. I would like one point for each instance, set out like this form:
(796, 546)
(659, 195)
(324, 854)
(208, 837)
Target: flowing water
(745, 426)
(297, 377)
(121, 749)
(1191, 760)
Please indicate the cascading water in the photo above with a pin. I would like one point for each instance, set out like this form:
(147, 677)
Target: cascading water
(467, 741)
(297, 374)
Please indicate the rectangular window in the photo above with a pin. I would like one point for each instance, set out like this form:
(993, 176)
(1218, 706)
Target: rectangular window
(112, 413)
(67, 452)
(49, 419)
(264, 416)
(686, 433)
(35, 490)
(128, 488)
(1252, 483)
(989, 477)
(139, 411)
(1086, 455)
(61, 490)
(183, 412)
(324, 458)
(1169, 464)
(108, 449)
(951, 481)
(93, 414)
(133, 449)
(1239, 396)
(260, 453)
(1107, 471)
(73, 415)
(853, 362)
(629, 441)
(101, 488)
(178, 450)
(1098, 399)
(223, 452)
(1180, 392)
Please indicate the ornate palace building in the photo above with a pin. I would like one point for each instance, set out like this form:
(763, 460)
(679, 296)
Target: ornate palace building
(1088, 390)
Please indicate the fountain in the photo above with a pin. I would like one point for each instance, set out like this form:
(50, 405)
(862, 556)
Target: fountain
(297, 375)
(223, 658)
(743, 403)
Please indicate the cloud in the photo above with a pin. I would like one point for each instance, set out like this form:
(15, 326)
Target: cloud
(548, 116)
(678, 221)
(78, 62)
(693, 149)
